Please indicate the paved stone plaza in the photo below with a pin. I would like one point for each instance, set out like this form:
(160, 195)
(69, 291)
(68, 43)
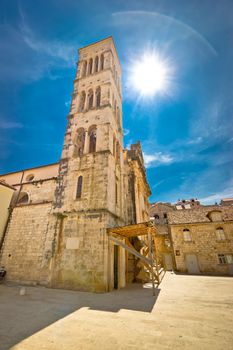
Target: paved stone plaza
(188, 312)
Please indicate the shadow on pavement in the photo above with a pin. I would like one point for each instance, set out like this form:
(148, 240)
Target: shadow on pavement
(22, 316)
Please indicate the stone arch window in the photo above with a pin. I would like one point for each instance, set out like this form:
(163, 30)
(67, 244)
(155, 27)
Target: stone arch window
(187, 235)
(79, 187)
(79, 142)
(98, 96)
(90, 65)
(90, 99)
(84, 69)
(82, 101)
(23, 198)
(96, 65)
(220, 235)
(92, 139)
(101, 62)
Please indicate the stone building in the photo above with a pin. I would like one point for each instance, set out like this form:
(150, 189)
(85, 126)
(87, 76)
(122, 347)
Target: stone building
(57, 235)
(202, 239)
(6, 193)
(199, 238)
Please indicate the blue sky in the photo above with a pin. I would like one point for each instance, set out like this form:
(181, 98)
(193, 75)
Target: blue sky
(186, 135)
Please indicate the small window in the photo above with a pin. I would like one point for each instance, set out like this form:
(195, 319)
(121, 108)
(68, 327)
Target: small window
(98, 97)
(102, 62)
(79, 142)
(30, 177)
(165, 215)
(220, 234)
(187, 235)
(82, 101)
(92, 139)
(90, 99)
(23, 198)
(156, 216)
(84, 69)
(96, 64)
(90, 66)
(225, 258)
(79, 187)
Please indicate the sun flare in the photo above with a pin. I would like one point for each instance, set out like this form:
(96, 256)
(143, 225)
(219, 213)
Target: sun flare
(151, 75)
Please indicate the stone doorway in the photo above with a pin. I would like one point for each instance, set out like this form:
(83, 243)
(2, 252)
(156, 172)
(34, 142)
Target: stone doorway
(192, 264)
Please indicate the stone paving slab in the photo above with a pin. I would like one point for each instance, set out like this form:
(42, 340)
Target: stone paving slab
(188, 312)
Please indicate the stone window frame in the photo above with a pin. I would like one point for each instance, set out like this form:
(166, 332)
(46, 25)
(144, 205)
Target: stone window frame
(102, 62)
(225, 258)
(90, 66)
(90, 99)
(96, 64)
(220, 236)
(92, 134)
(98, 97)
(23, 194)
(82, 101)
(185, 237)
(79, 188)
(79, 142)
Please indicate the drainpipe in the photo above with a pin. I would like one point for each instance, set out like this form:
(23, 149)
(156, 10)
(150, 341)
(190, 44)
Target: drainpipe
(10, 209)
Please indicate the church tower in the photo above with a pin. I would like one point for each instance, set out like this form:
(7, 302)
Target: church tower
(89, 194)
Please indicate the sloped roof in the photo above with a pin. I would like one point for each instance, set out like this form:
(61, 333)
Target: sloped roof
(198, 215)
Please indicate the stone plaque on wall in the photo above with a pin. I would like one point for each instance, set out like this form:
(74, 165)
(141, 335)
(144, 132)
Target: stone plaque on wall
(72, 243)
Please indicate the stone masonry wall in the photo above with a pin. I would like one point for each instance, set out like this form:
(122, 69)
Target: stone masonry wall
(82, 252)
(204, 245)
(27, 247)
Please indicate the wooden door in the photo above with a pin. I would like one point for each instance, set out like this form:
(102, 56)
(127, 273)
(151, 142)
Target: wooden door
(192, 264)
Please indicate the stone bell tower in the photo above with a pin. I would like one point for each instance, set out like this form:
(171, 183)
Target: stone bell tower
(89, 194)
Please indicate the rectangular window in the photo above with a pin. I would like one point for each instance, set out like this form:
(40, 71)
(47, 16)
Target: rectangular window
(225, 258)
(187, 236)
(229, 258)
(116, 192)
(220, 234)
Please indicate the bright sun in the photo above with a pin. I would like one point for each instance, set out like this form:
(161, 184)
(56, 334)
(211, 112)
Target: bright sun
(150, 75)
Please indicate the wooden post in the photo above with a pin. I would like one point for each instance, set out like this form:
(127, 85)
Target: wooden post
(151, 259)
(156, 262)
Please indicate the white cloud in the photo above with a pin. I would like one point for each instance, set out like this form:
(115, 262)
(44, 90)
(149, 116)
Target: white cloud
(126, 132)
(216, 197)
(152, 160)
(10, 125)
(195, 141)
(52, 53)
(54, 49)
(158, 184)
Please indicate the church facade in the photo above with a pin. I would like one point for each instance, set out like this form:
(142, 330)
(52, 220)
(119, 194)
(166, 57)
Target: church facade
(57, 228)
